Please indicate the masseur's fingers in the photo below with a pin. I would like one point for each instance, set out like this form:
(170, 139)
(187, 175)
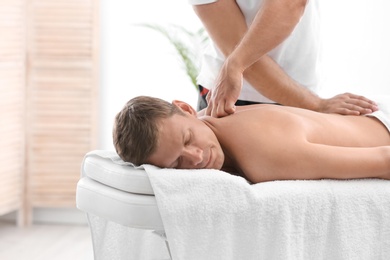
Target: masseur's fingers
(219, 108)
(226, 91)
(348, 104)
(362, 104)
(223, 109)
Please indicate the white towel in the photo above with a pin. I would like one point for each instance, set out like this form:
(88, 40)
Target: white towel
(210, 214)
(383, 113)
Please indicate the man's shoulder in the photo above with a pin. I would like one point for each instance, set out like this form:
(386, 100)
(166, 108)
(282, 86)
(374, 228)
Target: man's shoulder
(257, 108)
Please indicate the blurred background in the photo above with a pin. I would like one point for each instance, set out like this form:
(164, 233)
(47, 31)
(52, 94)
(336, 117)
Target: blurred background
(68, 66)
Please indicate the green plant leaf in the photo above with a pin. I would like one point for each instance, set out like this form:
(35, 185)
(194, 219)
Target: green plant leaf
(186, 44)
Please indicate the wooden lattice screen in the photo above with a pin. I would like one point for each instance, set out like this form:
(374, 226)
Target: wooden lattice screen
(62, 67)
(12, 105)
(48, 100)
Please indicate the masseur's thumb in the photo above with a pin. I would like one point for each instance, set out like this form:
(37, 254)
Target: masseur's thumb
(230, 108)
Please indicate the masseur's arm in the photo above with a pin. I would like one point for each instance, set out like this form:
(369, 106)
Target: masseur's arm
(245, 52)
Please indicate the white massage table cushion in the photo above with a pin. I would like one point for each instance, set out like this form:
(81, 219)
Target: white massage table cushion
(117, 191)
(108, 168)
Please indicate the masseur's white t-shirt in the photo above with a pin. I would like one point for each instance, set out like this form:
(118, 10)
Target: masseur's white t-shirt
(298, 55)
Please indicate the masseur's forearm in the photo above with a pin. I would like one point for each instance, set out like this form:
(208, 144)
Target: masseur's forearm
(274, 22)
(270, 80)
(226, 25)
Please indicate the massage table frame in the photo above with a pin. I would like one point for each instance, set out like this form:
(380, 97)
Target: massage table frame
(119, 193)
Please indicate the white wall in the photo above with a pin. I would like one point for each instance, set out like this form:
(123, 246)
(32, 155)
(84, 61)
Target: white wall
(356, 38)
(137, 61)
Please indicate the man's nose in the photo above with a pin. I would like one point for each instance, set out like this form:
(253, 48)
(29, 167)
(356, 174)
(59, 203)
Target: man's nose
(194, 155)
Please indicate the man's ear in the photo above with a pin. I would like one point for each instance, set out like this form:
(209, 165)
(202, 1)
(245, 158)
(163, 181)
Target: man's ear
(184, 107)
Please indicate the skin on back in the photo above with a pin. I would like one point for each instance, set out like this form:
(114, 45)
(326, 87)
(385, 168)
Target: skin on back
(267, 142)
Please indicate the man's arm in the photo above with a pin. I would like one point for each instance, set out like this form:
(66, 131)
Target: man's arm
(245, 52)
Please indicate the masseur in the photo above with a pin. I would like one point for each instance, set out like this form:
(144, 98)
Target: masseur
(266, 51)
(259, 142)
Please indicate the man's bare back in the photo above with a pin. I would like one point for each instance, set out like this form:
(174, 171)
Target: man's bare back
(274, 142)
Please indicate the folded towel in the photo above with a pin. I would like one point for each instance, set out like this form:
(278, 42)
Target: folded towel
(210, 214)
(382, 114)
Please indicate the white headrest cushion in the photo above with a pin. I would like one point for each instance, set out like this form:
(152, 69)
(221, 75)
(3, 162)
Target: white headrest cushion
(108, 168)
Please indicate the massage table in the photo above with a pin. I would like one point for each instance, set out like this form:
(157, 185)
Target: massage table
(213, 215)
(119, 200)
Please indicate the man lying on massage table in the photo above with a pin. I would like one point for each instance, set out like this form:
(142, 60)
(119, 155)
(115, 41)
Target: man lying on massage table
(259, 142)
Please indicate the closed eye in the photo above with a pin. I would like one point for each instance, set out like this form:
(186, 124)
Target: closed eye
(186, 141)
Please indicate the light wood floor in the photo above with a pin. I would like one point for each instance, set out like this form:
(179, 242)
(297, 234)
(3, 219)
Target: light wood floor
(45, 242)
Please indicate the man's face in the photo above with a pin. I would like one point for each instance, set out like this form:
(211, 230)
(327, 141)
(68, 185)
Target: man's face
(185, 142)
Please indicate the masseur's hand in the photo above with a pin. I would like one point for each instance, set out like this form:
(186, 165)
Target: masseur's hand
(348, 104)
(228, 86)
